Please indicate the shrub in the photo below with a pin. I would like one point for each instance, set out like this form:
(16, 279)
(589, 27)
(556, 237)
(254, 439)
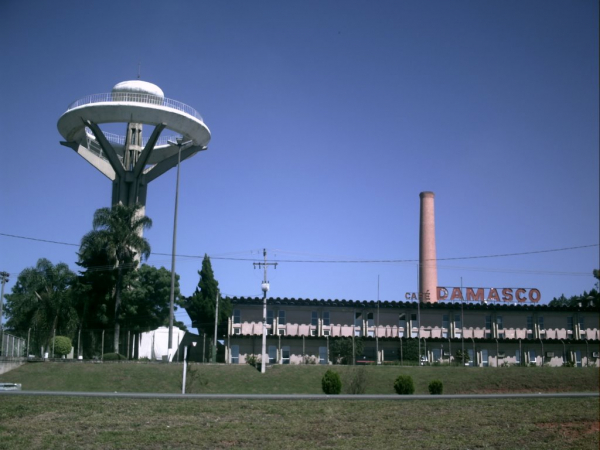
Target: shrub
(194, 381)
(358, 382)
(62, 345)
(331, 383)
(113, 357)
(404, 385)
(309, 360)
(253, 360)
(436, 387)
(462, 358)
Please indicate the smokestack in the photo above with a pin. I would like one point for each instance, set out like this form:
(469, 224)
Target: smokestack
(427, 256)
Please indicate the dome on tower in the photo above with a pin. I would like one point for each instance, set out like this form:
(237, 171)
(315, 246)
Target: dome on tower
(138, 87)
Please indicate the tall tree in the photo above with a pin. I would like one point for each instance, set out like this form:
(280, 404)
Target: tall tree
(117, 239)
(42, 300)
(146, 302)
(340, 350)
(201, 305)
(591, 298)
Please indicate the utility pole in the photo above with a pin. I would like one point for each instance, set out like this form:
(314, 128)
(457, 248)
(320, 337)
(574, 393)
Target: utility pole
(377, 328)
(419, 315)
(265, 289)
(4, 279)
(214, 352)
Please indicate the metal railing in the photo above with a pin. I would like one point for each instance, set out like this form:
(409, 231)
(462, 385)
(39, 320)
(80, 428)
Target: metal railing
(120, 139)
(130, 97)
(12, 346)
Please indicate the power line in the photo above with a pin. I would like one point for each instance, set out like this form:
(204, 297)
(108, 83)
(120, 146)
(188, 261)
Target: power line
(338, 261)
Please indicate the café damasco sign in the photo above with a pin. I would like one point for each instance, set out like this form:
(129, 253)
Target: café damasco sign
(472, 294)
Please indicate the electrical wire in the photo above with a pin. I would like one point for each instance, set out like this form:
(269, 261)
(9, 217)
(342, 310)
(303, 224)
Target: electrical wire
(328, 261)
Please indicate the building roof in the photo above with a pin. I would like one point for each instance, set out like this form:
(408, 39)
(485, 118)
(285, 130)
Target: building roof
(501, 306)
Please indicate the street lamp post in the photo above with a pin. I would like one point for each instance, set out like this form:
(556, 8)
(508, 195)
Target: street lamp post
(180, 146)
(185, 366)
(3, 280)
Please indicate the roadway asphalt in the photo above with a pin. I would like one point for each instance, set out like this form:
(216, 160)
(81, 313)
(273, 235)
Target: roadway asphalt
(149, 395)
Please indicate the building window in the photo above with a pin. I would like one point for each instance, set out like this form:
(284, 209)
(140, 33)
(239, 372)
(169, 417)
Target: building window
(499, 327)
(578, 358)
(370, 320)
(325, 332)
(488, 327)
(358, 319)
(569, 325)
(541, 325)
(313, 332)
(314, 318)
(272, 354)
(285, 354)
(445, 325)
(414, 332)
(529, 327)
(235, 354)
(484, 357)
(281, 332)
(371, 333)
(518, 357)
(326, 318)
(237, 331)
(323, 355)
(581, 327)
(437, 354)
(281, 317)
(237, 317)
(358, 324)
(269, 317)
(532, 357)
(471, 357)
(401, 324)
(457, 326)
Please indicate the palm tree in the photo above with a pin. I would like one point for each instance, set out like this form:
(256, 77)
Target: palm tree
(42, 299)
(117, 234)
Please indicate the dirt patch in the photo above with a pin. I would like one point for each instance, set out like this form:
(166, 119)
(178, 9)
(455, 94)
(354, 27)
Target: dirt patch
(572, 429)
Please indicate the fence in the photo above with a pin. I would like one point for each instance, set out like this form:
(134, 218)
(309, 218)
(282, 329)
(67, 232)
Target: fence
(13, 346)
(93, 344)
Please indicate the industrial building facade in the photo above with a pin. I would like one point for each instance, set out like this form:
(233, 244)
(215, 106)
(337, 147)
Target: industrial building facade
(497, 334)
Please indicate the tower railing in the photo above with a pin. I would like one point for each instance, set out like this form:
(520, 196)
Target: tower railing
(132, 97)
(120, 139)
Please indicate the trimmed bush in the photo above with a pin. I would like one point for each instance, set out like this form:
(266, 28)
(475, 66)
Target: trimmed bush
(436, 387)
(331, 383)
(113, 357)
(253, 360)
(358, 382)
(404, 385)
(62, 345)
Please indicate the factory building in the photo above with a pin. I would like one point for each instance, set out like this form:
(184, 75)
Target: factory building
(493, 326)
(492, 335)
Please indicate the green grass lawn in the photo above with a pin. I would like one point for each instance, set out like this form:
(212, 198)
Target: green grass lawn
(99, 423)
(244, 379)
(95, 423)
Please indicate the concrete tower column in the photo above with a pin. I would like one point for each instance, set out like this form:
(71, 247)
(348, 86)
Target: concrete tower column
(427, 254)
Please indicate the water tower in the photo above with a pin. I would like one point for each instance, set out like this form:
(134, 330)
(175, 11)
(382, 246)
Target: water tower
(130, 161)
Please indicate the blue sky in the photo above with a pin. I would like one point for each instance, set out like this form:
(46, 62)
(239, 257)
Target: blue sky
(328, 118)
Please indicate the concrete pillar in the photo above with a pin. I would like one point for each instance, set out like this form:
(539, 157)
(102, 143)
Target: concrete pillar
(427, 254)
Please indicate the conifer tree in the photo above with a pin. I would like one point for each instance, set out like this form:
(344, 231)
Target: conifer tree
(201, 305)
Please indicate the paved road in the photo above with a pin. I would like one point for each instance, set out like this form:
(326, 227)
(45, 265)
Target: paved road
(299, 396)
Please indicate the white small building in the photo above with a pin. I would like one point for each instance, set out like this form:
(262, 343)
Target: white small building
(154, 345)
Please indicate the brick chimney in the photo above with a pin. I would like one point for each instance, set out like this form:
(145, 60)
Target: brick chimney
(427, 255)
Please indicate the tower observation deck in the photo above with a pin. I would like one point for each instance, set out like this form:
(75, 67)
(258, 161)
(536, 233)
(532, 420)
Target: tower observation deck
(130, 161)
